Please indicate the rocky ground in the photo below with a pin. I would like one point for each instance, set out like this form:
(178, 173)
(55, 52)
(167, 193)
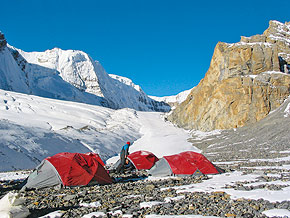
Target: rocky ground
(126, 195)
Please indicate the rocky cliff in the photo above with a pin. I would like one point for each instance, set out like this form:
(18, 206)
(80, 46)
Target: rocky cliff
(2, 41)
(245, 81)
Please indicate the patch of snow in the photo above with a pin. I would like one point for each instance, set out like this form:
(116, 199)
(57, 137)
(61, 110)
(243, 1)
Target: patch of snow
(267, 44)
(279, 38)
(287, 111)
(133, 196)
(178, 216)
(272, 160)
(219, 182)
(91, 204)
(277, 213)
(199, 135)
(150, 204)
(116, 213)
(284, 152)
(273, 175)
(275, 72)
(19, 175)
(94, 214)
(229, 162)
(284, 167)
(253, 76)
(54, 214)
(169, 199)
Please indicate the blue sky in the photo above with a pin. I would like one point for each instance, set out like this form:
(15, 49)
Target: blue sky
(164, 46)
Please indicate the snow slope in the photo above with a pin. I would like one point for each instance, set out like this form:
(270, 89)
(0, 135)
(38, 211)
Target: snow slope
(32, 128)
(11, 76)
(160, 137)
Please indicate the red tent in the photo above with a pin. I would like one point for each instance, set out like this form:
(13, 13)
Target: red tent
(185, 163)
(69, 169)
(79, 169)
(142, 160)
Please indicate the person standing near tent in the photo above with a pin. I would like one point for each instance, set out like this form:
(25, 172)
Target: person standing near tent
(123, 156)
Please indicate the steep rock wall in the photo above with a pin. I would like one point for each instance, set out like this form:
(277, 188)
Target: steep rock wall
(245, 81)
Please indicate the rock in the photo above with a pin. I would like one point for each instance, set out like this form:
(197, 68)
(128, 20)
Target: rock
(149, 187)
(69, 197)
(237, 89)
(3, 41)
(284, 205)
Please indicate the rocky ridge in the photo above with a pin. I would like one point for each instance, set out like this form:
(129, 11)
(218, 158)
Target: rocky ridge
(245, 81)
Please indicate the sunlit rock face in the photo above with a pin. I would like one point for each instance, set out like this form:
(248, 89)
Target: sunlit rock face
(245, 81)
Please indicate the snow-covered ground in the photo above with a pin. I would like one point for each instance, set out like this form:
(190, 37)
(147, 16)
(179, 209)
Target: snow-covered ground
(160, 137)
(33, 128)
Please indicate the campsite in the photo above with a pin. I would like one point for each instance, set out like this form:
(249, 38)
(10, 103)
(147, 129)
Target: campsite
(257, 186)
(144, 109)
(136, 194)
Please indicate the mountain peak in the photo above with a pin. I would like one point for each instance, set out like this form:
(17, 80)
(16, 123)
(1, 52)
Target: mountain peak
(70, 75)
(277, 33)
(245, 81)
(3, 41)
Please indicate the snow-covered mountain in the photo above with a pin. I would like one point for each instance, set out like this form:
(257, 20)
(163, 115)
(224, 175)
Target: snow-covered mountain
(179, 98)
(69, 75)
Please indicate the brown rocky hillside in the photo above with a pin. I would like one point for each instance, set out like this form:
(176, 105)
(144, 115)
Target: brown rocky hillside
(245, 81)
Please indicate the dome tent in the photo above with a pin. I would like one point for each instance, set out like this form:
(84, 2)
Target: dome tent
(142, 160)
(69, 169)
(184, 164)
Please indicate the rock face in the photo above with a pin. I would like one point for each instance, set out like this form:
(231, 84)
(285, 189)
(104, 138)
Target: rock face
(245, 81)
(2, 41)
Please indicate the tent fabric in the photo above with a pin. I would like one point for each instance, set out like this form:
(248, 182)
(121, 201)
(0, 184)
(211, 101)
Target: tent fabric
(142, 160)
(98, 158)
(185, 163)
(69, 169)
(77, 169)
(45, 175)
(161, 168)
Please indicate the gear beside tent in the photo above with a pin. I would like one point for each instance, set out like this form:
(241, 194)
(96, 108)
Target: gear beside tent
(184, 164)
(69, 169)
(142, 160)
